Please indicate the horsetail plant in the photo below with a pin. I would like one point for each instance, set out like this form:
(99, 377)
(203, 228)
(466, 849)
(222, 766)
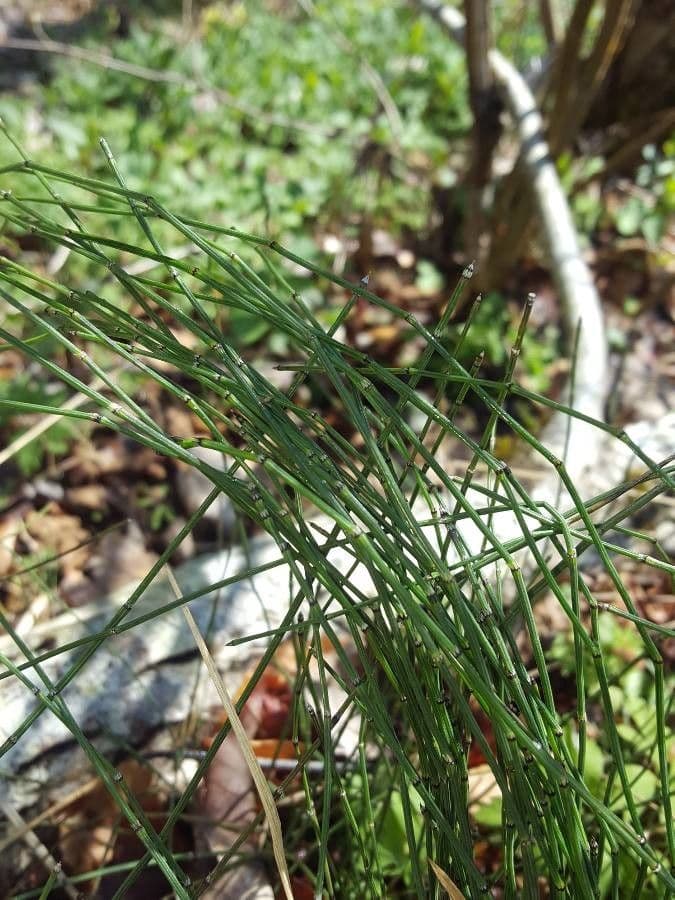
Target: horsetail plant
(443, 629)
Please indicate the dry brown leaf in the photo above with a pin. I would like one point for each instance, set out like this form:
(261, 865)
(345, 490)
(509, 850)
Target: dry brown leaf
(57, 532)
(178, 421)
(227, 802)
(8, 536)
(446, 882)
(119, 558)
(273, 748)
(112, 454)
(89, 834)
(483, 787)
(88, 496)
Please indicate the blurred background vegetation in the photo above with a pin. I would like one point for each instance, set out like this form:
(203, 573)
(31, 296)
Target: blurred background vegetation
(343, 129)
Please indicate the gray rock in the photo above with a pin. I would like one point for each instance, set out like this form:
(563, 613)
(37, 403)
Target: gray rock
(193, 488)
(665, 534)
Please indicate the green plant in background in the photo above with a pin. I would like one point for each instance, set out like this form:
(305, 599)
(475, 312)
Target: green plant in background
(650, 210)
(54, 442)
(519, 33)
(155, 500)
(282, 143)
(644, 206)
(436, 643)
(244, 132)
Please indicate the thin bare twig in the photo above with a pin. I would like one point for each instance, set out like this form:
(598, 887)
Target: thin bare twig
(550, 21)
(514, 197)
(485, 130)
(572, 105)
(569, 51)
